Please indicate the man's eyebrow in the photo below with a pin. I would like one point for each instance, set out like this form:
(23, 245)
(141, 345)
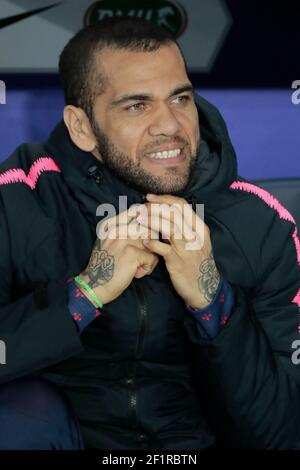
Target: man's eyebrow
(182, 89)
(187, 87)
(131, 97)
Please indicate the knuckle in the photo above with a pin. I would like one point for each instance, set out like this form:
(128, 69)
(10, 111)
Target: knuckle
(128, 249)
(181, 201)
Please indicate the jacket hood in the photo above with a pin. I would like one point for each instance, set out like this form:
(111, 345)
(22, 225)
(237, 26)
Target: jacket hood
(216, 165)
(214, 170)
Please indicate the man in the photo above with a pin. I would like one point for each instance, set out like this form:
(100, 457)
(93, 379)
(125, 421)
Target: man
(153, 345)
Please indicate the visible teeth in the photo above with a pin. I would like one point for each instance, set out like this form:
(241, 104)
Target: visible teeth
(165, 154)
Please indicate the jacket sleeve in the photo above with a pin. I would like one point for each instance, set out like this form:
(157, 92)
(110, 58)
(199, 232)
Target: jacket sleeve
(37, 329)
(245, 376)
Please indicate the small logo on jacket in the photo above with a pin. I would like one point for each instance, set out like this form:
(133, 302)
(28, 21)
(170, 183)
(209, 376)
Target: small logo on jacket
(2, 353)
(2, 92)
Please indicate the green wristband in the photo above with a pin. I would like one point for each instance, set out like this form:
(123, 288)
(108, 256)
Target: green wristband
(90, 291)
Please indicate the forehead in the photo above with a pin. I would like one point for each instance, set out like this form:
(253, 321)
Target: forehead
(158, 71)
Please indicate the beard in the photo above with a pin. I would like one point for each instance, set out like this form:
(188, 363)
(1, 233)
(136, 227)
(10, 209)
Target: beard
(132, 173)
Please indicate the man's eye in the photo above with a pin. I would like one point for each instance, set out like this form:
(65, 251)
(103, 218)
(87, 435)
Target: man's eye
(135, 107)
(182, 99)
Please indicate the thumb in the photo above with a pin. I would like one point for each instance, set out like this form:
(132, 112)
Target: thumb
(160, 248)
(141, 272)
(146, 262)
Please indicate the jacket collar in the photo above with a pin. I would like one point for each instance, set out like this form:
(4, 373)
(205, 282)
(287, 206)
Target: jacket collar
(93, 183)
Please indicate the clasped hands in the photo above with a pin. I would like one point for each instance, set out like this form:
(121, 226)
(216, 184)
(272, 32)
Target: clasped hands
(167, 226)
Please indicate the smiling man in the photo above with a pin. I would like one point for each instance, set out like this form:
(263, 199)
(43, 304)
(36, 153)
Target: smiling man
(140, 343)
(144, 122)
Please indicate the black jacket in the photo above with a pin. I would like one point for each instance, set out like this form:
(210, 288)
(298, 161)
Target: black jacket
(140, 376)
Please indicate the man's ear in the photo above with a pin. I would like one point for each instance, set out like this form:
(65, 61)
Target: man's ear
(79, 128)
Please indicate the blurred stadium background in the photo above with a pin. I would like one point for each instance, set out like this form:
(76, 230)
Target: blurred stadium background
(242, 56)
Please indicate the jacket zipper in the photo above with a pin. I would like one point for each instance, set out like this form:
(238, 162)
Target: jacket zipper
(139, 347)
(143, 316)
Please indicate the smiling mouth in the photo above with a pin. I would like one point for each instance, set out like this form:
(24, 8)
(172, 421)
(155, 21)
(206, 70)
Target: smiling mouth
(167, 156)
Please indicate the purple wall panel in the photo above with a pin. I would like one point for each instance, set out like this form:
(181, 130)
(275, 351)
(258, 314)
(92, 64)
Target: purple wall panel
(264, 126)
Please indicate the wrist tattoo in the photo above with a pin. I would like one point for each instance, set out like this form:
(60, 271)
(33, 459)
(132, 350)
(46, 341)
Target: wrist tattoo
(101, 266)
(209, 278)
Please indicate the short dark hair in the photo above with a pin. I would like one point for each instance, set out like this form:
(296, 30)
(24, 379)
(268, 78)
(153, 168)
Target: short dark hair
(82, 79)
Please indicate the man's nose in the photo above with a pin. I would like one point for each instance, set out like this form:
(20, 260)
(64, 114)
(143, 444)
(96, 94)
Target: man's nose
(164, 122)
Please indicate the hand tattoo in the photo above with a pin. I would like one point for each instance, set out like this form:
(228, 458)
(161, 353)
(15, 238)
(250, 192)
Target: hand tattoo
(209, 278)
(101, 266)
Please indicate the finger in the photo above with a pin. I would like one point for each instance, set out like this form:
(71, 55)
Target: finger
(192, 218)
(113, 231)
(178, 234)
(125, 226)
(160, 248)
(165, 199)
(137, 230)
(174, 213)
(142, 271)
(124, 217)
(134, 210)
(141, 231)
(144, 259)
